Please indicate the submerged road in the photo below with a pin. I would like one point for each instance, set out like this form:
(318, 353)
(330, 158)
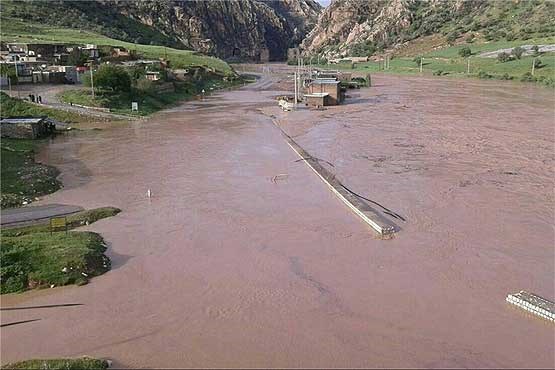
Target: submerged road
(16, 216)
(227, 267)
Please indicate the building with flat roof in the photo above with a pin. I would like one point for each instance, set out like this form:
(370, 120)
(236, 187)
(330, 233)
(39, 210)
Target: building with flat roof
(330, 86)
(26, 127)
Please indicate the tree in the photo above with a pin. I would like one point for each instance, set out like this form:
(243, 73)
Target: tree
(536, 51)
(537, 63)
(111, 77)
(517, 52)
(465, 52)
(503, 57)
(8, 71)
(417, 60)
(76, 58)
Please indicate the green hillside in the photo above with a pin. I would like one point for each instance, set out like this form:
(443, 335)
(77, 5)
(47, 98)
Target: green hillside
(86, 15)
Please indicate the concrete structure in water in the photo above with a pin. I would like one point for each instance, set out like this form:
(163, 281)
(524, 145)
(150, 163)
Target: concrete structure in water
(317, 99)
(26, 127)
(534, 304)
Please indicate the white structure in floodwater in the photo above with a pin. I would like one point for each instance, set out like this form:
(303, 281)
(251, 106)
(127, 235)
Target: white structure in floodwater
(534, 304)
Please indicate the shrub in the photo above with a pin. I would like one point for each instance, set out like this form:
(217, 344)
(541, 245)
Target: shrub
(469, 38)
(538, 63)
(452, 37)
(506, 76)
(503, 57)
(517, 52)
(527, 77)
(465, 52)
(77, 58)
(417, 60)
(484, 75)
(111, 77)
(535, 51)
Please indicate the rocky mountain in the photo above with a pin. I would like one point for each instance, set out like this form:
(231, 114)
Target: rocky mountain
(361, 27)
(246, 29)
(242, 29)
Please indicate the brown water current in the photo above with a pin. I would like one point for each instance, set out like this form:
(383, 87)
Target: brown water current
(224, 267)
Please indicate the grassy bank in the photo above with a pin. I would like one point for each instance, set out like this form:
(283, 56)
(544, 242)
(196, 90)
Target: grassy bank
(447, 62)
(15, 30)
(85, 363)
(150, 101)
(13, 107)
(22, 178)
(39, 260)
(32, 257)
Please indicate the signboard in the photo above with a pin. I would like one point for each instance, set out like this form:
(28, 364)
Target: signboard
(134, 106)
(58, 223)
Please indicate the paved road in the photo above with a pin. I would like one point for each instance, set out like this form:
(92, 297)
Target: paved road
(32, 214)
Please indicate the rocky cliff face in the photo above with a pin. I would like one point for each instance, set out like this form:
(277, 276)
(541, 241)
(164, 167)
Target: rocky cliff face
(348, 26)
(246, 29)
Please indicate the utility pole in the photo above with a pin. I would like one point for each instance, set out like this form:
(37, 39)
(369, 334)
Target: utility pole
(295, 75)
(10, 84)
(92, 80)
(468, 66)
(533, 66)
(421, 60)
(17, 78)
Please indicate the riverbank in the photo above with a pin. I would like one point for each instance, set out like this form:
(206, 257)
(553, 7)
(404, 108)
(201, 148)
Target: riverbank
(149, 100)
(23, 179)
(35, 257)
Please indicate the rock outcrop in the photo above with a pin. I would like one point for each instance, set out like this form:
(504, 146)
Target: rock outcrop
(243, 30)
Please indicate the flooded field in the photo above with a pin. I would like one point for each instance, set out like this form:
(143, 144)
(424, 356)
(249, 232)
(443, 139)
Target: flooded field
(229, 266)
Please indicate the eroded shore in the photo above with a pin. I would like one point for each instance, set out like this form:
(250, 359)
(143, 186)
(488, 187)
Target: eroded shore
(224, 267)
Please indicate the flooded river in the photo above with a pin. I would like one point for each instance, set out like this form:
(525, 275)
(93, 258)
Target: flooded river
(227, 266)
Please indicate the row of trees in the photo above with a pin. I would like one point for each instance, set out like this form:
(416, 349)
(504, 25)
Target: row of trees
(516, 53)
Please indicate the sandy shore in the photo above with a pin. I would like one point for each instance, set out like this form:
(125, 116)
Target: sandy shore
(225, 268)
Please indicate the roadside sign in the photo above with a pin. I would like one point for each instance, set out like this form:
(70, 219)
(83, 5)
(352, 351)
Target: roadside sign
(58, 223)
(134, 106)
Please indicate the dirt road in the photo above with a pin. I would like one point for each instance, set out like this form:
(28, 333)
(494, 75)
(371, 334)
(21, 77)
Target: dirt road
(224, 267)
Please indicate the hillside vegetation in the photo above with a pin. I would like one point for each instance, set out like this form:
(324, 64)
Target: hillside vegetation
(14, 30)
(94, 16)
(359, 27)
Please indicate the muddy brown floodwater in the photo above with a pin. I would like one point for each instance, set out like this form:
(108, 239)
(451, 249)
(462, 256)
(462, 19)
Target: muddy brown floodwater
(224, 267)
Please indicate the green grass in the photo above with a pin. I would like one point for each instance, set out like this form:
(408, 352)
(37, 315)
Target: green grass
(14, 30)
(149, 101)
(13, 107)
(32, 257)
(82, 97)
(456, 67)
(85, 363)
(38, 260)
(477, 48)
(86, 217)
(22, 178)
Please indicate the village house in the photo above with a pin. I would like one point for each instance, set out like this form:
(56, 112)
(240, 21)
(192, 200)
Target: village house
(120, 52)
(26, 127)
